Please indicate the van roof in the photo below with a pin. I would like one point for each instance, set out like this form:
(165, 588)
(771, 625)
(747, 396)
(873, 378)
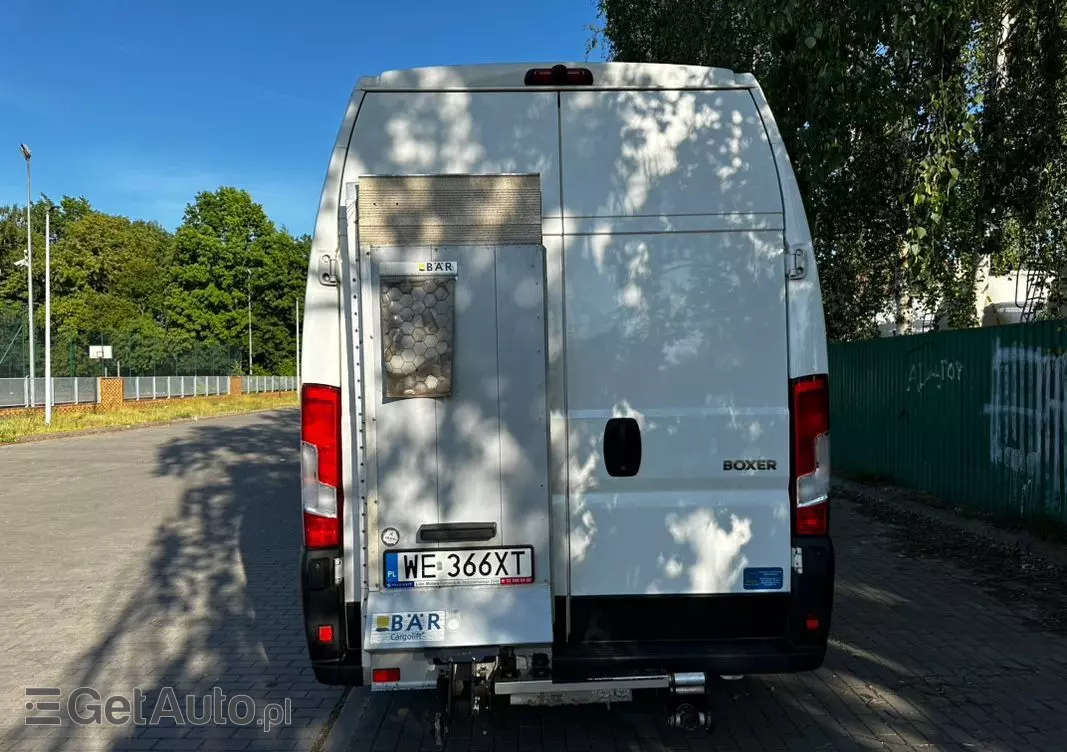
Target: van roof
(605, 76)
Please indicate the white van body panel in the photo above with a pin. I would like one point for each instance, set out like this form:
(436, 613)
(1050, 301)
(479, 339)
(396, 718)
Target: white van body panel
(497, 76)
(674, 267)
(669, 215)
(321, 362)
(662, 346)
(459, 132)
(666, 154)
(477, 456)
(807, 328)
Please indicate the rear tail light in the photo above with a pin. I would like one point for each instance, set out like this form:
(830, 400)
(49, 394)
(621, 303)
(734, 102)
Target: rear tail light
(320, 465)
(386, 675)
(809, 481)
(559, 75)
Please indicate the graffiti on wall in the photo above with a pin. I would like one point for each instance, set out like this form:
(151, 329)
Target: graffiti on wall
(920, 374)
(1028, 419)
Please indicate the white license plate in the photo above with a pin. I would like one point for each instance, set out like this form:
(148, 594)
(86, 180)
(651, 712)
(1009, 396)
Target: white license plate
(511, 565)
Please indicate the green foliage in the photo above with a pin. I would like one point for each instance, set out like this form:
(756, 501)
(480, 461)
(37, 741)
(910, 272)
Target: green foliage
(167, 303)
(924, 135)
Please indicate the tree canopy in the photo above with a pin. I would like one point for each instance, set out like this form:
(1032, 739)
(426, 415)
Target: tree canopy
(166, 302)
(926, 136)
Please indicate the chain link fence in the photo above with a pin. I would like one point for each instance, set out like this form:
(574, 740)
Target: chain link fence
(151, 367)
(132, 354)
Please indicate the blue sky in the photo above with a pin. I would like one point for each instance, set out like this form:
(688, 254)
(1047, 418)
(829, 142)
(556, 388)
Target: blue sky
(139, 104)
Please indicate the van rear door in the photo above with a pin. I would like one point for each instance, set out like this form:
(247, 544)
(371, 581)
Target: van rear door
(676, 319)
(454, 388)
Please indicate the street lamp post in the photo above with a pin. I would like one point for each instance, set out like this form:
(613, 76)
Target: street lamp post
(249, 272)
(48, 391)
(29, 269)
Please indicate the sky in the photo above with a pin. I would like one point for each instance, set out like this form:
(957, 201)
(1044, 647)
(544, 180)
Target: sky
(137, 105)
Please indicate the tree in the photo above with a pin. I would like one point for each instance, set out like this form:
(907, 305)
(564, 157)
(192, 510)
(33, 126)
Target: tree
(226, 249)
(109, 281)
(277, 286)
(923, 135)
(166, 303)
(13, 244)
(214, 247)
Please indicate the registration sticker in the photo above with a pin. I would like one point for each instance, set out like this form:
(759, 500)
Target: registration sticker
(763, 578)
(412, 626)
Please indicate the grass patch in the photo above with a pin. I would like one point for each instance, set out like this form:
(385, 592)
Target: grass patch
(19, 426)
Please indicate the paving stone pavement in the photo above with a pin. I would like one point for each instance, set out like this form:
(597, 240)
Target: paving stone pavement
(155, 558)
(165, 557)
(923, 656)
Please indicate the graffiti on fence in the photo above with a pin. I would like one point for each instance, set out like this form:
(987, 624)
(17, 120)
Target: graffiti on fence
(1028, 418)
(919, 374)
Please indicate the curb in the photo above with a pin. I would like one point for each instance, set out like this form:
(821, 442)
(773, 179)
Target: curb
(121, 429)
(347, 722)
(905, 499)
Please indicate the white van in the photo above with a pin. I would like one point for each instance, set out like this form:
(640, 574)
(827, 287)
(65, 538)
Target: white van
(564, 412)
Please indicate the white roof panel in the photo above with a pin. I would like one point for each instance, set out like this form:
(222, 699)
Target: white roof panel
(605, 76)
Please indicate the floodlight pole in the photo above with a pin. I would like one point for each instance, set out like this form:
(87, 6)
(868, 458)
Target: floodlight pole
(249, 272)
(29, 271)
(48, 393)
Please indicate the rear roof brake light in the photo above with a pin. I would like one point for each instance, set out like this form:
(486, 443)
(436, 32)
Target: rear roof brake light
(559, 75)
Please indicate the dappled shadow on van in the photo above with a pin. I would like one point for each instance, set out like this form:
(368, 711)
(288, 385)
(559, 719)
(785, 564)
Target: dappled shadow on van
(665, 303)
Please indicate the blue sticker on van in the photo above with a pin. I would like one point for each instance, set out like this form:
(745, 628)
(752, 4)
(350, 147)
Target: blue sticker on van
(762, 578)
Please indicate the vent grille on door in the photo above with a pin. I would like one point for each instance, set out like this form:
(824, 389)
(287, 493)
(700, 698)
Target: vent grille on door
(407, 210)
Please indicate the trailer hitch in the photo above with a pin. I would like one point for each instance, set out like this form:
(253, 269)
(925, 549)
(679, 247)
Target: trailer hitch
(688, 717)
(688, 708)
(461, 693)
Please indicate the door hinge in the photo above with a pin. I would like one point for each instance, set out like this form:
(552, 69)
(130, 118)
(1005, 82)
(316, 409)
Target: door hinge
(798, 560)
(338, 570)
(328, 269)
(796, 266)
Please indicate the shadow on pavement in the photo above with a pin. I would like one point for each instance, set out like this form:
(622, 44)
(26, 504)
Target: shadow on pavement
(922, 656)
(216, 606)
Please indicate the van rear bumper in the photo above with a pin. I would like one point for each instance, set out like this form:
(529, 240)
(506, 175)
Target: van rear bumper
(634, 636)
(323, 605)
(597, 663)
(719, 657)
(615, 636)
(344, 673)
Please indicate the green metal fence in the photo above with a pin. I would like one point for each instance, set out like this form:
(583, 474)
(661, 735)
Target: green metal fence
(977, 417)
(132, 353)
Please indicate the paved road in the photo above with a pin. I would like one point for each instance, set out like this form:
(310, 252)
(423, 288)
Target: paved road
(164, 557)
(161, 557)
(926, 655)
